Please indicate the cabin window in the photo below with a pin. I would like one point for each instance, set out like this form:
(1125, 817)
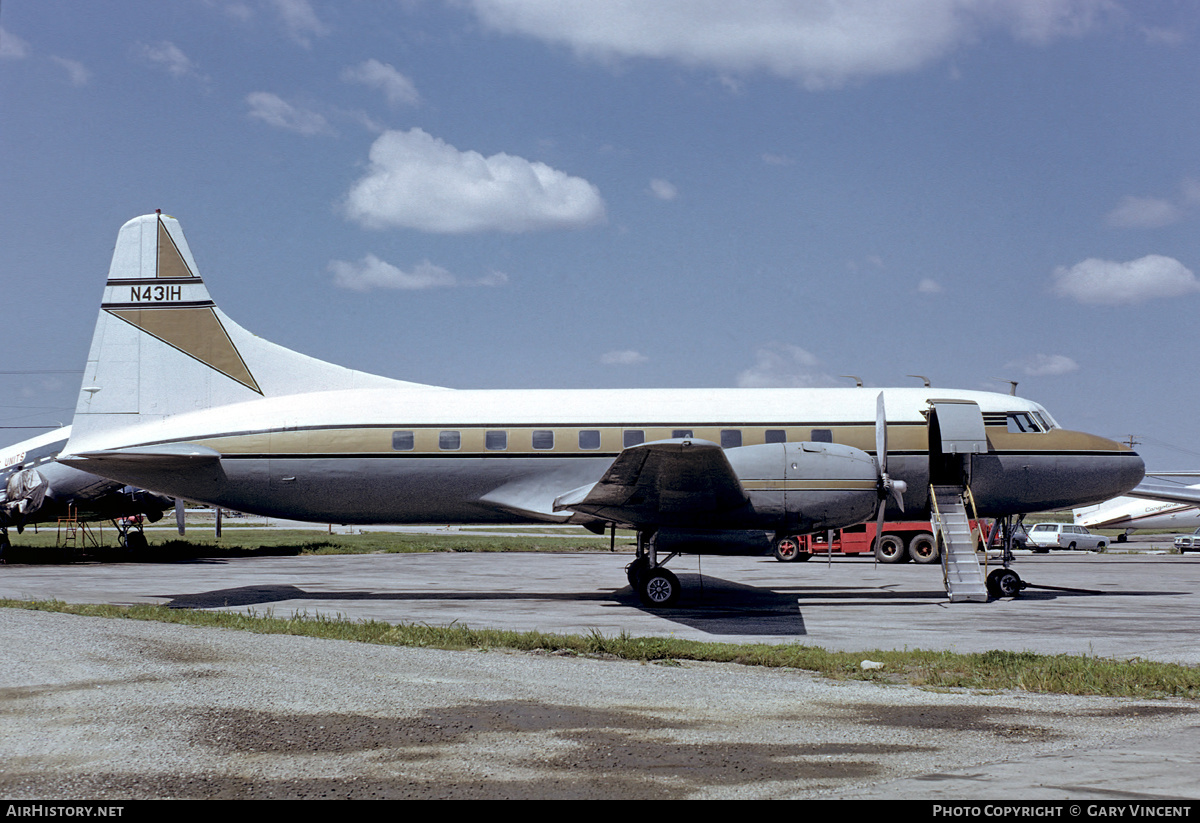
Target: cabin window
(589, 439)
(495, 440)
(403, 441)
(449, 440)
(822, 435)
(776, 436)
(677, 433)
(634, 437)
(731, 438)
(543, 439)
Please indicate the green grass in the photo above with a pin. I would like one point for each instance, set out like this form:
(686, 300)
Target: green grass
(987, 671)
(166, 545)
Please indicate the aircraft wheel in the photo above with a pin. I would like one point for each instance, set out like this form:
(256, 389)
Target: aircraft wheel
(890, 549)
(635, 571)
(659, 588)
(923, 548)
(787, 549)
(1004, 583)
(136, 542)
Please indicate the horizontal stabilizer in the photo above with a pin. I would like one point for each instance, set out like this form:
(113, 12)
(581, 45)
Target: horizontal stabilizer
(170, 456)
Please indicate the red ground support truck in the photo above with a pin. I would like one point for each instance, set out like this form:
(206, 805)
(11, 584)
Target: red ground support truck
(911, 540)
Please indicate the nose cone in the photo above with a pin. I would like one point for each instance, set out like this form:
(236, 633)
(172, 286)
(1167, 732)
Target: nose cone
(1100, 469)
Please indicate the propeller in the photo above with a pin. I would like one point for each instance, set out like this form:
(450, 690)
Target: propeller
(179, 516)
(885, 485)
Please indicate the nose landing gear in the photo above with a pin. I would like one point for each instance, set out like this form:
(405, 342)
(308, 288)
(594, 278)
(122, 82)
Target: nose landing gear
(1005, 583)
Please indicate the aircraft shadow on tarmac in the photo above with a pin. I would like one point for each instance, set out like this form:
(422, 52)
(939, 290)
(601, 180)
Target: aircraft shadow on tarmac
(710, 604)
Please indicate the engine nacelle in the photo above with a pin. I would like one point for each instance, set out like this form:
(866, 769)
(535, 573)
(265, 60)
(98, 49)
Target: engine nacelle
(803, 487)
(24, 493)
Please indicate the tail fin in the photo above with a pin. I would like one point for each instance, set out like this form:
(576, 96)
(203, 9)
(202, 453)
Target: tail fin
(162, 347)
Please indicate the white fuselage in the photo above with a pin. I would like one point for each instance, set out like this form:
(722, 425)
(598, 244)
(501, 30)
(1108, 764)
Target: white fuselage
(405, 455)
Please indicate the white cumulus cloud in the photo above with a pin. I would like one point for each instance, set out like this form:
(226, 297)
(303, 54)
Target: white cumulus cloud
(663, 190)
(275, 111)
(820, 44)
(624, 357)
(1108, 282)
(11, 46)
(398, 89)
(1044, 365)
(1143, 213)
(782, 365)
(373, 273)
(168, 56)
(77, 73)
(299, 20)
(929, 286)
(419, 182)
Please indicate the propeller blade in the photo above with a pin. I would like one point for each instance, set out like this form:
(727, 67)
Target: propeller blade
(179, 514)
(881, 435)
(218, 529)
(887, 485)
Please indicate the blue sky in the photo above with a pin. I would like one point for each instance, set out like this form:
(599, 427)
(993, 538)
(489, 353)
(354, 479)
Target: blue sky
(553, 193)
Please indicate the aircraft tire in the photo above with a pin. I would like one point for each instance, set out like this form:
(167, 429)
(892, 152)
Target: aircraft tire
(635, 571)
(889, 548)
(922, 548)
(1004, 583)
(136, 542)
(659, 588)
(787, 550)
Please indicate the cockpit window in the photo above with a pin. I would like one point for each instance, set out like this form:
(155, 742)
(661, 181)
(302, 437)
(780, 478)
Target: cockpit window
(1022, 423)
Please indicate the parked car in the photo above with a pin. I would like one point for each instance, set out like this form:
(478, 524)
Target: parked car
(1078, 537)
(1046, 536)
(1188, 542)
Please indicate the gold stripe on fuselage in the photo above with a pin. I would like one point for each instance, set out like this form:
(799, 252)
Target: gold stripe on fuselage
(377, 440)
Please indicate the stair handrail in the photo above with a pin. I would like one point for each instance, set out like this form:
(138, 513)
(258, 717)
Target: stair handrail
(939, 536)
(975, 519)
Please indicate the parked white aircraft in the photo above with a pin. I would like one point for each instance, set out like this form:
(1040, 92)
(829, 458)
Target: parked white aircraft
(36, 488)
(179, 398)
(1154, 512)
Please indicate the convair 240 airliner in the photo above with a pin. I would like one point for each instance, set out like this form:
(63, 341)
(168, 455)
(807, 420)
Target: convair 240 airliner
(178, 398)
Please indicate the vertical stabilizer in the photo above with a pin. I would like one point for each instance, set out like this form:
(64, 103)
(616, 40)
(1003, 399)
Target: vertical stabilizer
(162, 347)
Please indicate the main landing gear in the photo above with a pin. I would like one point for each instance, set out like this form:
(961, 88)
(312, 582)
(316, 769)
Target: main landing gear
(657, 587)
(130, 534)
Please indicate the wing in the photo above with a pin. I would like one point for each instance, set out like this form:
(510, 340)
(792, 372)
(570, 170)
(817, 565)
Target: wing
(1162, 491)
(663, 483)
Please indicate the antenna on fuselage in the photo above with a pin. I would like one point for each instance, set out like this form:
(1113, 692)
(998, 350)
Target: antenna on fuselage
(857, 380)
(920, 377)
(1012, 385)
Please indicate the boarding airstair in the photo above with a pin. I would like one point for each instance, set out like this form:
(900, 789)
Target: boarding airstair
(952, 529)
